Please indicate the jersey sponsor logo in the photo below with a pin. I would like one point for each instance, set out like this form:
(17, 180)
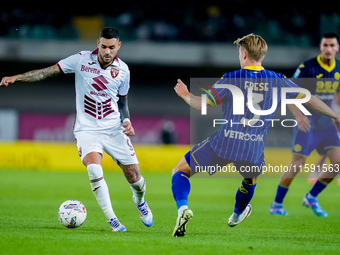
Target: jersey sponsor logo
(326, 87)
(98, 94)
(243, 136)
(89, 69)
(325, 96)
(100, 82)
(98, 110)
(114, 72)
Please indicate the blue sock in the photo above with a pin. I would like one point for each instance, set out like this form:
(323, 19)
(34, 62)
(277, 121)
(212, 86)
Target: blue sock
(317, 188)
(243, 196)
(280, 194)
(180, 188)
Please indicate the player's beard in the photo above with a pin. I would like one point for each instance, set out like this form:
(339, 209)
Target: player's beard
(107, 60)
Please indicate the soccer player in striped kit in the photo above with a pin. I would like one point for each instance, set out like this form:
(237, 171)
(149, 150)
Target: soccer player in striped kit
(102, 82)
(316, 131)
(241, 150)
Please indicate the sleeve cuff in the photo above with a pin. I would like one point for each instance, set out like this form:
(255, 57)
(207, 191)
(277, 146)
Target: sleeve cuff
(61, 70)
(300, 95)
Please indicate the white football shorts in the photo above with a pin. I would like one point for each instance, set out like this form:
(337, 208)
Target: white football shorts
(115, 143)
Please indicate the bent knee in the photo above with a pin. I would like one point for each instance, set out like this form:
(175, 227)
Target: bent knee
(180, 169)
(182, 166)
(175, 170)
(298, 161)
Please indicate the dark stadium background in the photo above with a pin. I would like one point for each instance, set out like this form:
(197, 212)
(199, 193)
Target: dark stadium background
(165, 32)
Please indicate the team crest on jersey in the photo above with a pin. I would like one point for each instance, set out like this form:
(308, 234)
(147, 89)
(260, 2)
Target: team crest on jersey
(337, 75)
(114, 72)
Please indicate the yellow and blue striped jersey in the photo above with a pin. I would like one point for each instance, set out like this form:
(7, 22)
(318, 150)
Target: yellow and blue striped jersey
(322, 81)
(233, 140)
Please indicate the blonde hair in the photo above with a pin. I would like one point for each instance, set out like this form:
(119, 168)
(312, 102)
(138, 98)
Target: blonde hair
(255, 46)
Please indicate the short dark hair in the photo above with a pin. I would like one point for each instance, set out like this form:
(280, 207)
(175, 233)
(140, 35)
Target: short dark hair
(109, 33)
(330, 35)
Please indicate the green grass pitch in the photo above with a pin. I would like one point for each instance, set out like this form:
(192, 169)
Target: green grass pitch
(29, 201)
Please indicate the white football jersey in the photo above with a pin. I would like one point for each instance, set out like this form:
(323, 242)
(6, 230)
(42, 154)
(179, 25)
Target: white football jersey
(97, 90)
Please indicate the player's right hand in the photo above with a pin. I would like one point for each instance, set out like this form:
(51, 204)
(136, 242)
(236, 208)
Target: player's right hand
(129, 130)
(7, 80)
(181, 89)
(303, 123)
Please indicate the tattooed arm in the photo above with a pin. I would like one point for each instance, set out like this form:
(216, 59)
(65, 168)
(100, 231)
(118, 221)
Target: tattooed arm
(32, 76)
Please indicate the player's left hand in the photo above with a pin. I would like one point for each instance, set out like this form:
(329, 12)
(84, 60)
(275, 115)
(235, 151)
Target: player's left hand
(303, 123)
(129, 130)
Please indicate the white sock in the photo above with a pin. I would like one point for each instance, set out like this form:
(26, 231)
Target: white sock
(309, 196)
(235, 216)
(138, 188)
(181, 209)
(277, 204)
(100, 190)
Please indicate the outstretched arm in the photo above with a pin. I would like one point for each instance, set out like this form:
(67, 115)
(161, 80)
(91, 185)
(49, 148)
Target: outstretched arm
(32, 76)
(183, 92)
(317, 105)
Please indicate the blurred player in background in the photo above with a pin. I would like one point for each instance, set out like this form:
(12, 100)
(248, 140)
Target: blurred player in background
(316, 131)
(313, 177)
(222, 149)
(102, 82)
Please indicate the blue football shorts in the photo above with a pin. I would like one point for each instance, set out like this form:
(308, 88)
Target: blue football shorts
(202, 158)
(303, 143)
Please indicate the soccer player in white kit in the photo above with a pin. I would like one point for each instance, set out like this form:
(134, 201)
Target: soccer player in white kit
(102, 81)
